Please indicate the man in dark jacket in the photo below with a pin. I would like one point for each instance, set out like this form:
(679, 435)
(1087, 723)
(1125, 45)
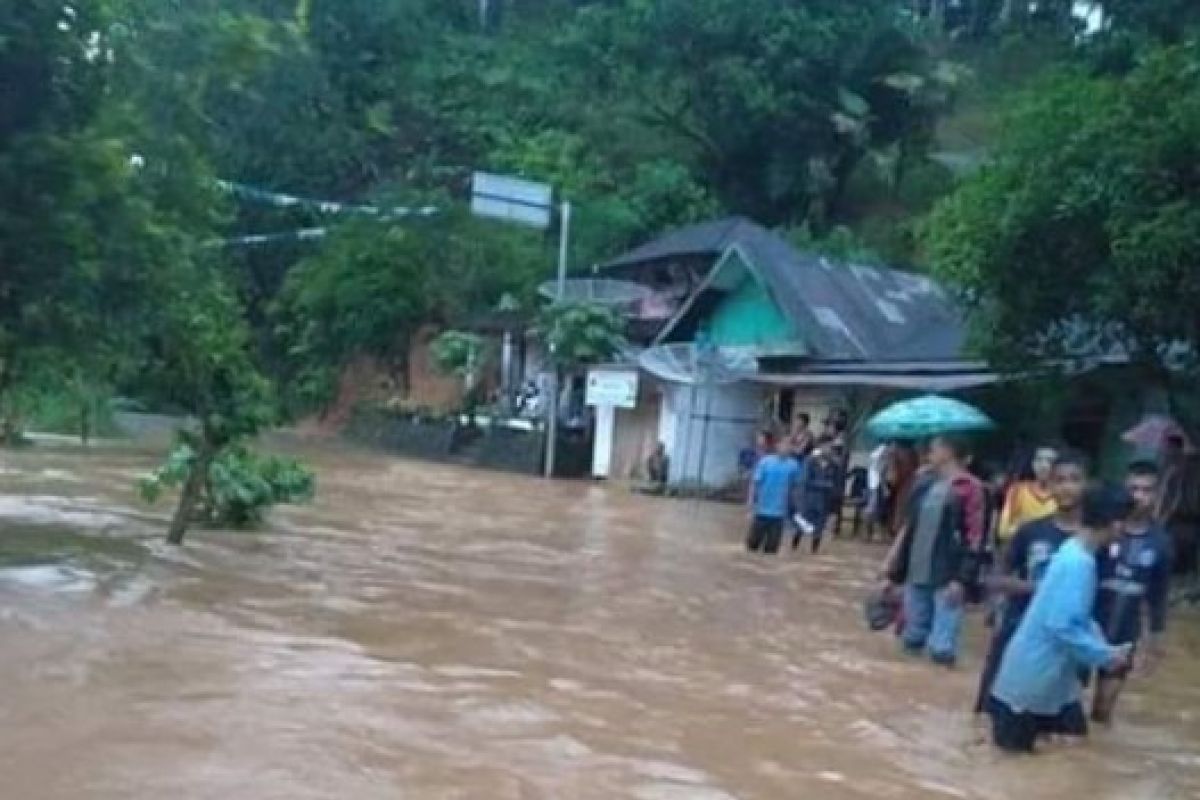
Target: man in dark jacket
(817, 489)
(939, 554)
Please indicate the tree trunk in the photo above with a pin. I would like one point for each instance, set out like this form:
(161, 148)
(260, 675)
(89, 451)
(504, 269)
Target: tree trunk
(193, 487)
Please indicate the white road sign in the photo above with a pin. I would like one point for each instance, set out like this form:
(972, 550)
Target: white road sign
(510, 199)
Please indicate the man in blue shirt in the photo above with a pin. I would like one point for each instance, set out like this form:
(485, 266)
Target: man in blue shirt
(1028, 556)
(1037, 687)
(771, 492)
(1134, 574)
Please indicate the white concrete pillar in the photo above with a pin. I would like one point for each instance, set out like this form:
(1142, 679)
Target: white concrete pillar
(602, 442)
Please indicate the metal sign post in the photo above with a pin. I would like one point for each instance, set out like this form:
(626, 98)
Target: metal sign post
(564, 234)
(527, 203)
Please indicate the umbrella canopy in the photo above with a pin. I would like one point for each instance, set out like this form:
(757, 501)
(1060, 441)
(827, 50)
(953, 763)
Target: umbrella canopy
(928, 415)
(1154, 430)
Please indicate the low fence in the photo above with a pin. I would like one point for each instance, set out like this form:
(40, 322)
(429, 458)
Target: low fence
(510, 446)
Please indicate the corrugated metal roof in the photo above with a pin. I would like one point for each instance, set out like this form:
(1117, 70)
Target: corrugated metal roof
(845, 311)
(706, 238)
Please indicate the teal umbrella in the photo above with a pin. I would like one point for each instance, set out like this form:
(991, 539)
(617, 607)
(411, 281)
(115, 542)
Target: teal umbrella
(926, 416)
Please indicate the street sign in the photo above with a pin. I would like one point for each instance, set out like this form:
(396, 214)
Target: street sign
(510, 199)
(617, 388)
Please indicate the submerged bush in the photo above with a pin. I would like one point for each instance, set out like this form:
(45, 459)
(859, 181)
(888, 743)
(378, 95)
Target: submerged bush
(240, 485)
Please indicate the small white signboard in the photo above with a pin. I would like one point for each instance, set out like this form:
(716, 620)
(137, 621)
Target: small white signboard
(510, 199)
(617, 388)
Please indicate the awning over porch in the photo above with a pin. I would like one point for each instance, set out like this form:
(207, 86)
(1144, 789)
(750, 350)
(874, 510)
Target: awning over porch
(939, 377)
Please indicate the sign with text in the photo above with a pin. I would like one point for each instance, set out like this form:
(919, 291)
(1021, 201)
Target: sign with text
(510, 199)
(617, 388)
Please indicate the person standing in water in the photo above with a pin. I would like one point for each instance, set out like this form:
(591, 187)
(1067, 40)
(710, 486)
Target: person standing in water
(1037, 688)
(771, 491)
(1135, 575)
(1029, 498)
(936, 556)
(1027, 558)
(816, 491)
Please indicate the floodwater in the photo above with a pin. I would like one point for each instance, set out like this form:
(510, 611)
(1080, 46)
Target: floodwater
(429, 632)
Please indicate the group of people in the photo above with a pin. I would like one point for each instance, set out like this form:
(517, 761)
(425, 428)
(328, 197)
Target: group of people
(795, 483)
(1072, 567)
(1068, 567)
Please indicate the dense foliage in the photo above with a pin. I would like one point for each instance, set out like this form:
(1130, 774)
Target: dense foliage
(459, 353)
(239, 488)
(373, 284)
(122, 263)
(579, 334)
(774, 103)
(109, 280)
(77, 225)
(1081, 237)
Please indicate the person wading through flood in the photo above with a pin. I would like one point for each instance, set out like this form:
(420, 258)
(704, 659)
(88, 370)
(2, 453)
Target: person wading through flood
(1135, 575)
(937, 554)
(1027, 558)
(771, 490)
(1037, 688)
(817, 486)
(1029, 498)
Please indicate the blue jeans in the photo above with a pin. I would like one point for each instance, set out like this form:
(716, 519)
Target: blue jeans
(930, 621)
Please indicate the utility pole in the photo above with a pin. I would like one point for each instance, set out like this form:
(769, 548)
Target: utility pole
(564, 237)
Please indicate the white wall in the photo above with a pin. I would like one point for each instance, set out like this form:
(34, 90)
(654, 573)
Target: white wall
(705, 428)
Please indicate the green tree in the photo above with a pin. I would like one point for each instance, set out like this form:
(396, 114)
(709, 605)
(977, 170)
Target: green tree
(1167, 21)
(462, 354)
(66, 194)
(580, 334)
(375, 283)
(459, 353)
(202, 362)
(1083, 231)
(776, 102)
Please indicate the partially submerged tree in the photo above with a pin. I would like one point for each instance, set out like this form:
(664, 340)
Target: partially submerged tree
(203, 362)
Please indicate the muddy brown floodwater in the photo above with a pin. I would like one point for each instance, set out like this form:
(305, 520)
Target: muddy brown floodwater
(429, 632)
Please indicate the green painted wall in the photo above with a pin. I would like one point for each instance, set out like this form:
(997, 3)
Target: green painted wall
(748, 316)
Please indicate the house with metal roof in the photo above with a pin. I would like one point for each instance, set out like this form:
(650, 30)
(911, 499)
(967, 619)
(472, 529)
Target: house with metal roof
(766, 332)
